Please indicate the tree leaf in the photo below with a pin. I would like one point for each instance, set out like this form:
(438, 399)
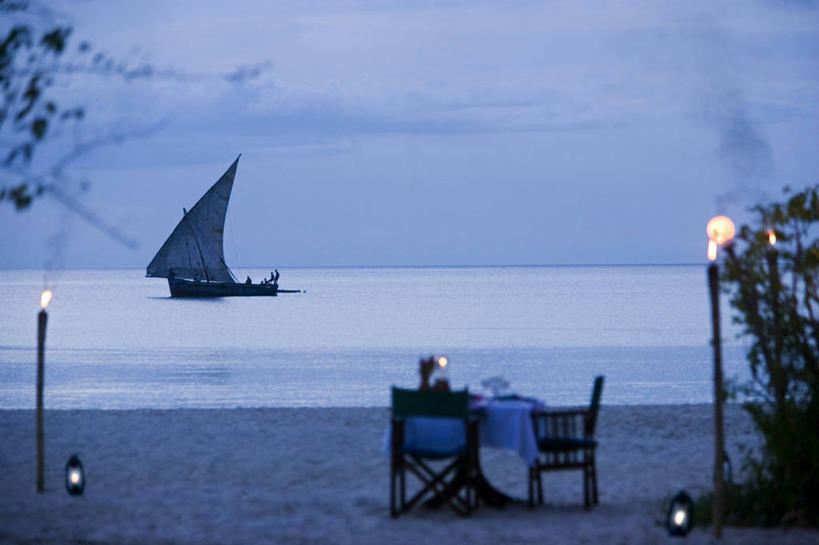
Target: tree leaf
(56, 39)
(38, 128)
(31, 95)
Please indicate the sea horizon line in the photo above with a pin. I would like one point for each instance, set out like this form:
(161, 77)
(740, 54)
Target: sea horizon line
(336, 267)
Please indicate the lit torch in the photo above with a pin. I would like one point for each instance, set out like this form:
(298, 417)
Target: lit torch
(712, 250)
(773, 267)
(42, 318)
(720, 231)
(775, 288)
(45, 298)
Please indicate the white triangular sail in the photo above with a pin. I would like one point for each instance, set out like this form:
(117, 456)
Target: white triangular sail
(194, 249)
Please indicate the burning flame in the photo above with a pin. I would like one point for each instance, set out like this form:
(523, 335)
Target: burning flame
(720, 229)
(712, 250)
(45, 298)
(771, 237)
(442, 361)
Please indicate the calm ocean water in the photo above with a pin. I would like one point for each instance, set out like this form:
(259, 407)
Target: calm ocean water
(116, 340)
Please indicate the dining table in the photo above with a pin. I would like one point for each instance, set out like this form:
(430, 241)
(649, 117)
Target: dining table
(505, 422)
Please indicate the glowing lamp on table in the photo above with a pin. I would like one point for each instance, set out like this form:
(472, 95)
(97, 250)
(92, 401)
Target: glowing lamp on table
(441, 374)
(443, 369)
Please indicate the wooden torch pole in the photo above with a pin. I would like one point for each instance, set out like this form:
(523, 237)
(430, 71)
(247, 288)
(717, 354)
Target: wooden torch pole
(773, 271)
(719, 439)
(42, 317)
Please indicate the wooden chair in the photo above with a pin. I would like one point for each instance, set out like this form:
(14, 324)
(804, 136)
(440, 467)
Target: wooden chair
(565, 440)
(455, 481)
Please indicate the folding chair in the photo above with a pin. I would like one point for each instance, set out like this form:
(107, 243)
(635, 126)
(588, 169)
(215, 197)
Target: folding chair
(455, 481)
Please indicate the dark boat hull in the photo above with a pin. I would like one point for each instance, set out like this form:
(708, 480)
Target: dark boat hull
(191, 288)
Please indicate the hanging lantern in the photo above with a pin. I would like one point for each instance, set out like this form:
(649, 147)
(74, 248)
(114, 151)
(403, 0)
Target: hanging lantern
(679, 518)
(74, 476)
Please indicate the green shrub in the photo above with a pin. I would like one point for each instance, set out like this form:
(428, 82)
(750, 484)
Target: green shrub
(773, 292)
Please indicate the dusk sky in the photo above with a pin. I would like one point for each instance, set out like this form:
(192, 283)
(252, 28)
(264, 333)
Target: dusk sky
(434, 133)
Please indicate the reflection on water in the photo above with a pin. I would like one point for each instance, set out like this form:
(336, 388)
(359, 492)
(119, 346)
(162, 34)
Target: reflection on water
(196, 375)
(115, 340)
(266, 378)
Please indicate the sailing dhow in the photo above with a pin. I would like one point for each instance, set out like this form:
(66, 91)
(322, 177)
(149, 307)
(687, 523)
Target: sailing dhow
(192, 259)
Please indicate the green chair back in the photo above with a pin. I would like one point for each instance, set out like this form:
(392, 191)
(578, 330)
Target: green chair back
(409, 403)
(594, 407)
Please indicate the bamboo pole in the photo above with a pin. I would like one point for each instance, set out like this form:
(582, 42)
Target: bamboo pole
(775, 364)
(719, 438)
(42, 318)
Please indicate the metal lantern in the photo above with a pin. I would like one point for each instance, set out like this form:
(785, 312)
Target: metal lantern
(679, 519)
(74, 476)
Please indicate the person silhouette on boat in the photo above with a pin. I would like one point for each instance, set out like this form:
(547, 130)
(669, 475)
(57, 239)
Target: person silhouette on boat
(248, 281)
(275, 278)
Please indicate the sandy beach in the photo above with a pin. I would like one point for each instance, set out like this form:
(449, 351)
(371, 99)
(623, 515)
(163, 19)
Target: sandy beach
(313, 475)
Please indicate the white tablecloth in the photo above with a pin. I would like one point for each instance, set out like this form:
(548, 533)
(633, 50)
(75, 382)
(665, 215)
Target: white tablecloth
(508, 425)
(505, 424)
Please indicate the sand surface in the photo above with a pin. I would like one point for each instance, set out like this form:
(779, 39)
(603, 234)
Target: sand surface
(310, 476)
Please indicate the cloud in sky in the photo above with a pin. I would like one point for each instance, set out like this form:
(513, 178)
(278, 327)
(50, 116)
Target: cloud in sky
(449, 133)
